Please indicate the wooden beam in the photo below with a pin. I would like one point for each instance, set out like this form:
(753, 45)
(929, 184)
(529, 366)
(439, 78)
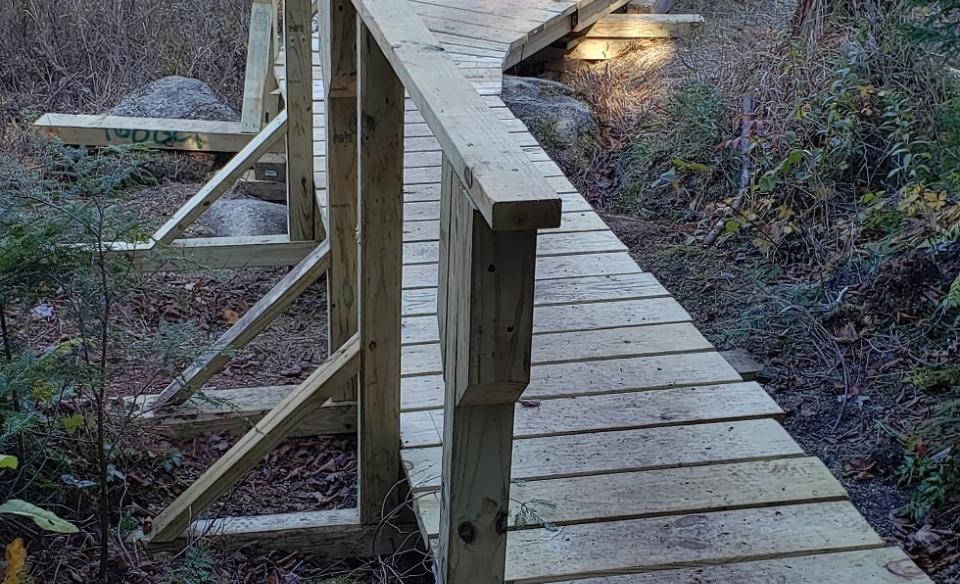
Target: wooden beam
(339, 38)
(259, 60)
(248, 327)
(649, 6)
(255, 444)
(502, 182)
(644, 26)
(159, 133)
(223, 180)
(380, 171)
(250, 251)
(331, 534)
(303, 215)
(238, 410)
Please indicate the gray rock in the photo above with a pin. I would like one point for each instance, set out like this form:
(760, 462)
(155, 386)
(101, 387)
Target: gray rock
(238, 217)
(565, 126)
(175, 97)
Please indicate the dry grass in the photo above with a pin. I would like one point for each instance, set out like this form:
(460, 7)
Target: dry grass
(83, 55)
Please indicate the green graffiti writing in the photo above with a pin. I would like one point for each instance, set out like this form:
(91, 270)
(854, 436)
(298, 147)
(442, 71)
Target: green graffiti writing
(156, 138)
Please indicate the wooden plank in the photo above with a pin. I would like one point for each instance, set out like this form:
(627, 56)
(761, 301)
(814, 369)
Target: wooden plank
(548, 244)
(612, 452)
(637, 26)
(572, 266)
(199, 253)
(161, 133)
(581, 346)
(303, 222)
(594, 377)
(255, 444)
(569, 318)
(539, 555)
(874, 566)
(585, 290)
(571, 222)
(622, 411)
(653, 493)
(238, 410)
(331, 534)
(340, 19)
(502, 182)
(381, 235)
(223, 180)
(259, 61)
(649, 6)
(247, 328)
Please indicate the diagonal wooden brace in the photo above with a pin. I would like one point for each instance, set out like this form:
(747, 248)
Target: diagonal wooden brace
(322, 384)
(264, 312)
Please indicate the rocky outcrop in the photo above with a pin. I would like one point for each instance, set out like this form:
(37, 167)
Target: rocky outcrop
(175, 97)
(238, 217)
(565, 126)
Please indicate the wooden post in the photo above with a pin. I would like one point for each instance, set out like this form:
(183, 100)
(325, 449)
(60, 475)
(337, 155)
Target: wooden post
(256, 89)
(486, 310)
(338, 40)
(380, 100)
(302, 208)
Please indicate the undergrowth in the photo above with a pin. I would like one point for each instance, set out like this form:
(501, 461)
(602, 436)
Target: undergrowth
(851, 205)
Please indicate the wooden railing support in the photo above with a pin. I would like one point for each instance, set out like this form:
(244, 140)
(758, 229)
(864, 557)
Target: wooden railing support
(380, 171)
(338, 20)
(486, 321)
(302, 212)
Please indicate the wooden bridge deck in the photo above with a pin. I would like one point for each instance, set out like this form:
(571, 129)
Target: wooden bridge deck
(640, 454)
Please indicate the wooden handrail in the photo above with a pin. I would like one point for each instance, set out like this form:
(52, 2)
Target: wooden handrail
(500, 180)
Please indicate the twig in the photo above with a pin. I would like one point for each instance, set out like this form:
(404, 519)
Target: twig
(746, 127)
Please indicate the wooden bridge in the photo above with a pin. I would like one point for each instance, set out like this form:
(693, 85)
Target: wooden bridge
(550, 407)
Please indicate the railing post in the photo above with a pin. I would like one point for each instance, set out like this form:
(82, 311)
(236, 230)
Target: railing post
(486, 319)
(338, 40)
(380, 123)
(302, 211)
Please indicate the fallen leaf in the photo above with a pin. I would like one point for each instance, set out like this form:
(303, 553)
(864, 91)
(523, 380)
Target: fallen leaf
(530, 403)
(229, 316)
(16, 556)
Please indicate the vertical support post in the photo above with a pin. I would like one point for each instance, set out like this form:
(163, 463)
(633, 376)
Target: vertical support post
(380, 118)
(257, 76)
(302, 210)
(338, 39)
(486, 311)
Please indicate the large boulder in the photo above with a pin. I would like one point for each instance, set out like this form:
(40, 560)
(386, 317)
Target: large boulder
(565, 126)
(175, 97)
(239, 217)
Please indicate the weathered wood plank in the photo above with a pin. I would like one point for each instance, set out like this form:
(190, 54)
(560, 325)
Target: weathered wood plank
(593, 377)
(259, 63)
(302, 213)
(620, 451)
(874, 566)
(653, 493)
(538, 555)
(581, 346)
(569, 317)
(381, 235)
(622, 411)
(339, 20)
(161, 133)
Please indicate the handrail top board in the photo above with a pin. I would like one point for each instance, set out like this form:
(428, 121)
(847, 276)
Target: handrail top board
(500, 180)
